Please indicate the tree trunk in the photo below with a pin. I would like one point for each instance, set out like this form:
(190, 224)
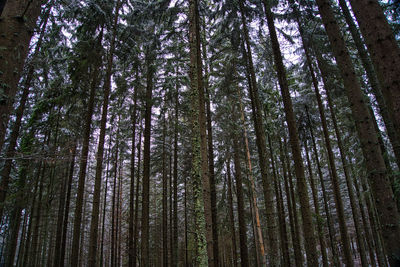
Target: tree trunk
(146, 160)
(373, 81)
(136, 230)
(308, 228)
(244, 256)
(231, 214)
(200, 170)
(385, 54)
(272, 240)
(290, 202)
(94, 225)
(164, 225)
(174, 261)
(17, 25)
(83, 162)
(385, 203)
(316, 208)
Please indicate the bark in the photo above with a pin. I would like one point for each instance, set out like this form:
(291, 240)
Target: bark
(308, 228)
(292, 213)
(67, 204)
(385, 54)
(373, 81)
(83, 162)
(94, 225)
(113, 205)
(244, 254)
(136, 230)
(353, 204)
(316, 208)
(131, 252)
(175, 182)
(260, 239)
(213, 193)
(281, 210)
(231, 214)
(19, 112)
(17, 24)
(164, 202)
(146, 161)
(377, 173)
(272, 241)
(200, 170)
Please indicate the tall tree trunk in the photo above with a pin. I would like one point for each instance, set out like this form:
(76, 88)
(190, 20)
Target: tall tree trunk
(83, 161)
(353, 204)
(385, 54)
(281, 210)
(146, 160)
(373, 81)
(213, 193)
(290, 202)
(132, 177)
(174, 261)
(67, 204)
(136, 230)
(17, 25)
(244, 256)
(316, 208)
(113, 205)
(260, 239)
(272, 241)
(308, 228)
(19, 112)
(94, 223)
(200, 169)
(164, 225)
(377, 173)
(231, 214)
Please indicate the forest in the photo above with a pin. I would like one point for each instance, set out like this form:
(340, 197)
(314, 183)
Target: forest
(200, 133)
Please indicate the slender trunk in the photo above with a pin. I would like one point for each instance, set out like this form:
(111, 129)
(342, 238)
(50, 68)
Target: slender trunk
(272, 241)
(136, 230)
(281, 210)
(174, 261)
(67, 204)
(164, 202)
(113, 207)
(94, 225)
(200, 169)
(146, 161)
(316, 208)
(260, 239)
(213, 193)
(353, 204)
(17, 25)
(132, 181)
(231, 214)
(83, 161)
(244, 257)
(60, 219)
(290, 202)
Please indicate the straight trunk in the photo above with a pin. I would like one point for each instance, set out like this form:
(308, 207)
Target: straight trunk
(385, 54)
(244, 256)
(272, 242)
(373, 81)
(146, 161)
(136, 230)
(94, 223)
(200, 168)
(83, 162)
(377, 173)
(17, 25)
(231, 214)
(308, 227)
